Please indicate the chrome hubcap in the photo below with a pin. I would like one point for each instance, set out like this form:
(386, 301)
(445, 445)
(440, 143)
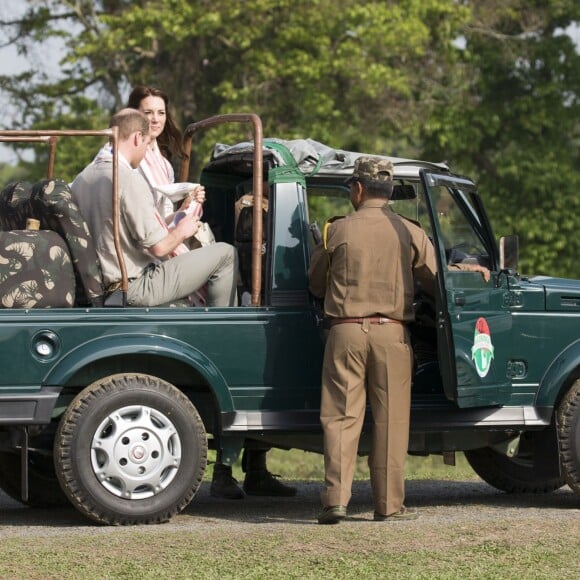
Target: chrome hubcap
(136, 452)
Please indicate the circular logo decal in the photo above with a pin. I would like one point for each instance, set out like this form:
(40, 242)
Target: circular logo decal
(482, 349)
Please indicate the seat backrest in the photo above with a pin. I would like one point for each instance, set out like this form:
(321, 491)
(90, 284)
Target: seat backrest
(50, 201)
(52, 204)
(35, 270)
(14, 206)
(243, 228)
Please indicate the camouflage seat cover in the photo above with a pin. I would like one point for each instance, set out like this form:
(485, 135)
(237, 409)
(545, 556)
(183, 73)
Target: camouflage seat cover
(35, 270)
(50, 201)
(14, 206)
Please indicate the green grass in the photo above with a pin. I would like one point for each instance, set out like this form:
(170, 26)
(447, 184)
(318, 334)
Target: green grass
(499, 548)
(346, 551)
(304, 466)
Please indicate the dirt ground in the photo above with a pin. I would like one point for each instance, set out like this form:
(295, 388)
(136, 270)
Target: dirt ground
(441, 503)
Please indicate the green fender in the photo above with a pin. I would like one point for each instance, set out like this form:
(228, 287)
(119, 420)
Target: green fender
(151, 344)
(559, 370)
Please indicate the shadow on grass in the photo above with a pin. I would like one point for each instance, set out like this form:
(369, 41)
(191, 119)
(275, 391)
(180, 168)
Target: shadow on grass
(434, 498)
(443, 501)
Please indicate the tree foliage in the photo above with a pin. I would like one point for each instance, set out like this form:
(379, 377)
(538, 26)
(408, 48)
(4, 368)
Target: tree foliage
(344, 76)
(491, 86)
(516, 126)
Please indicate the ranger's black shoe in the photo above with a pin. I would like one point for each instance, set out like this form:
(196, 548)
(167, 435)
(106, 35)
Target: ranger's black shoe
(223, 483)
(262, 482)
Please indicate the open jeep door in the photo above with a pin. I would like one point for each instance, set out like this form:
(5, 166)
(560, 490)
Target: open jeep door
(474, 322)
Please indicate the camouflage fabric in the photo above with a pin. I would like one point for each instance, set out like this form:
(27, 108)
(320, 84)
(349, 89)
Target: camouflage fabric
(373, 169)
(14, 206)
(51, 202)
(35, 271)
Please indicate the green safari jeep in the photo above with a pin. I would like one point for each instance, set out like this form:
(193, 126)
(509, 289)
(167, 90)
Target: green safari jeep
(113, 408)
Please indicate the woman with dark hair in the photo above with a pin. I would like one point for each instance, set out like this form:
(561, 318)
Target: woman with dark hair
(166, 144)
(167, 134)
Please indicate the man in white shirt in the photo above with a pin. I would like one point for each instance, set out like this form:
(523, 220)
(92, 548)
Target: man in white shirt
(159, 267)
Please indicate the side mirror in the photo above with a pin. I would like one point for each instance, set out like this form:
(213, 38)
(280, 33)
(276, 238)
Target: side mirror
(509, 253)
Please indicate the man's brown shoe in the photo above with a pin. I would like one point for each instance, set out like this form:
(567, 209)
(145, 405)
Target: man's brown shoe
(404, 514)
(332, 514)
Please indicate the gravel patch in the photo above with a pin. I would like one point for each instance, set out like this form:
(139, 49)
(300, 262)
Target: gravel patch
(441, 503)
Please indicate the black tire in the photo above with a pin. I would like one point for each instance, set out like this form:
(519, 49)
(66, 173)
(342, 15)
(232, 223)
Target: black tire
(510, 474)
(568, 419)
(130, 449)
(44, 490)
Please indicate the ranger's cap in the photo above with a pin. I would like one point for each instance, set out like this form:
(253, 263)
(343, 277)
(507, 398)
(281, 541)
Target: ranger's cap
(372, 169)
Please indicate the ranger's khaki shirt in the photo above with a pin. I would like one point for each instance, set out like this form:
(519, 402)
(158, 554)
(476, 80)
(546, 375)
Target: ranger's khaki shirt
(370, 265)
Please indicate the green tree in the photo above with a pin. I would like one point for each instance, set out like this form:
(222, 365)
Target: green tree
(346, 74)
(491, 86)
(515, 127)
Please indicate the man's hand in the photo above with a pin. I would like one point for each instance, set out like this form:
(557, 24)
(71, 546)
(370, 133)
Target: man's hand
(473, 268)
(187, 227)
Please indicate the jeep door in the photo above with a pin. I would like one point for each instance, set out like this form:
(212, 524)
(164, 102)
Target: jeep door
(474, 323)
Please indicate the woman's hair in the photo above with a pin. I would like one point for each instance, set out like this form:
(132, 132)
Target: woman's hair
(170, 141)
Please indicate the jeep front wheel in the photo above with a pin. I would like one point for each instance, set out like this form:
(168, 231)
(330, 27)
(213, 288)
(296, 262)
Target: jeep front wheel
(130, 449)
(569, 436)
(510, 474)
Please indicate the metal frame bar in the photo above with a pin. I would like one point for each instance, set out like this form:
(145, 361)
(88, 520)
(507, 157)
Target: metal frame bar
(257, 180)
(52, 141)
(51, 137)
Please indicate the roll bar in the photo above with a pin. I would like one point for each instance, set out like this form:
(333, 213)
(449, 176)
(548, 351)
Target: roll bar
(41, 139)
(257, 179)
(51, 137)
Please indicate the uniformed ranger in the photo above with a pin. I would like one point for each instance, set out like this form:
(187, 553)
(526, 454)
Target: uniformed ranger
(366, 269)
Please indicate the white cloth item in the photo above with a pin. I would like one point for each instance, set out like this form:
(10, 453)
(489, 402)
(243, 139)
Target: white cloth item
(158, 171)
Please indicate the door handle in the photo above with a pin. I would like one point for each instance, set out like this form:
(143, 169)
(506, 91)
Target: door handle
(460, 300)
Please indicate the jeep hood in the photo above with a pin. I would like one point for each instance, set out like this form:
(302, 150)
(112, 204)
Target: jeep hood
(562, 294)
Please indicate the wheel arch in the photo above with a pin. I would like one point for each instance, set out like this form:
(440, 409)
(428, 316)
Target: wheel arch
(172, 360)
(561, 374)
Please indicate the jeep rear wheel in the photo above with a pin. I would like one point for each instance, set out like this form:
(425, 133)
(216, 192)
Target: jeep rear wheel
(130, 449)
(510, 474)
(569, 436)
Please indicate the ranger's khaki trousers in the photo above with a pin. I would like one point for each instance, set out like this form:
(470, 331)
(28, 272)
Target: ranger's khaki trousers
(361, 358)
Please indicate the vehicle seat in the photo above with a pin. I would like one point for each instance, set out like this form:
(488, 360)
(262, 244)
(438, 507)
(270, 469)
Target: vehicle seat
(14, 207)
(50, 201)
(244, 220)
(35, 270)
